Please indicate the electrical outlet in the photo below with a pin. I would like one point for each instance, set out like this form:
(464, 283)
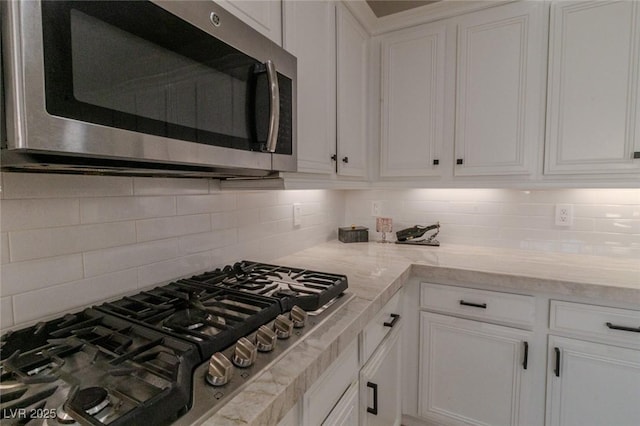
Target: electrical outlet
(564, 214)
(376, 208)
(297, 214)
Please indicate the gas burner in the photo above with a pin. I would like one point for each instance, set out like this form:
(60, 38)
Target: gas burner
(91, 400)
(190, 319)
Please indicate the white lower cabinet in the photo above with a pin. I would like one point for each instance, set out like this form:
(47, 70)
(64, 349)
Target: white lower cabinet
(473, 372)
(326, 393)
(380, 386)
(592, 384)
(345, 413)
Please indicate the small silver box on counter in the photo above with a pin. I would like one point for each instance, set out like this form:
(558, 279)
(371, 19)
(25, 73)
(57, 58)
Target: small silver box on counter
(353, 234)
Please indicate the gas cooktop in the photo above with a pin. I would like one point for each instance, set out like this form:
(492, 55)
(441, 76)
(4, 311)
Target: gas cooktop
(155, 356)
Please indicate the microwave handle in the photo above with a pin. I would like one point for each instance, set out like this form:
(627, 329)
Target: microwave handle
(274, 105)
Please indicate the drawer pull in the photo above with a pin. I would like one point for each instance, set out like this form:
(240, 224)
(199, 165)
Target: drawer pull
(525, 361)
(557, 369)
(394, 320)
(475, 305)
(373, 410)
(623, 328)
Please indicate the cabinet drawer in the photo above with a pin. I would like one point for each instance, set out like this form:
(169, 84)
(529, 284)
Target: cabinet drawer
(601, 321)
(482, 304)
(376, 331)
(323, 395)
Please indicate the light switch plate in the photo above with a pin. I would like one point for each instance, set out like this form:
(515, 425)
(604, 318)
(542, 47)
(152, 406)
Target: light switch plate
(297, 214)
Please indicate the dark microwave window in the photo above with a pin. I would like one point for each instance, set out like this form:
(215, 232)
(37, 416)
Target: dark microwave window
(132, 65)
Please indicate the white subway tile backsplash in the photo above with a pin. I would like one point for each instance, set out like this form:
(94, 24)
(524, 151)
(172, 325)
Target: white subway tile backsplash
(20, 277)
(6, 312)
(97, 210)
(528, 209)
(607, 211)
(77, 294)
(169, 186)
(167, 227)
(624, 226)
(194, 204)
(113, 259)
(251, 200)
(605, 222)
(475, 208)
(224, 220)
(161, 272)
(247, 217)
(269, 214)
(38, 243)
(34, 213)
(41, 185)
(4, 248)
(208, 241)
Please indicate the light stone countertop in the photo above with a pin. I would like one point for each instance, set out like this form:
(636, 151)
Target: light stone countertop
(376, 271)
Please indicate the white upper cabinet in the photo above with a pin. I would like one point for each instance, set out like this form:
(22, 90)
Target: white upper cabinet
(413, 85)
(593, 113)
(310, 35)
(500, 90)
(265, 16)
(352, 56)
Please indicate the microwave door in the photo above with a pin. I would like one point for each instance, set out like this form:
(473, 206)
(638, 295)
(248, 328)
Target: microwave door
(131, 80)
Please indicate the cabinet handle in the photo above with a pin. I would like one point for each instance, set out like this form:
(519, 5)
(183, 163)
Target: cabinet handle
(373, 410)
(525, 361)
(345, 160)
(623, 328)
(459, 161)
(436, 162)
(557, 369)
(334, 157)
(394, 320)
(636, 155)
(475, 305)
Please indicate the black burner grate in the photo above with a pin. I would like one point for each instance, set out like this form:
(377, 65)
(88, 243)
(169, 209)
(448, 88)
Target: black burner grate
(209, 316)
(134, 365)
(292, 286)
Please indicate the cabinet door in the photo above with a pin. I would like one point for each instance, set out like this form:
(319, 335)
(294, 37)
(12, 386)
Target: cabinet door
(352, 94)
(345, 413)
(472, 372)
(265, 16)
(310, 35)
(593, 111)
(380, 384)
(592, 384)
(500, 91)
(413, 82)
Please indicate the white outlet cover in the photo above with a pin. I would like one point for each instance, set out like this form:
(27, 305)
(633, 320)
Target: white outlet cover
(564, 214)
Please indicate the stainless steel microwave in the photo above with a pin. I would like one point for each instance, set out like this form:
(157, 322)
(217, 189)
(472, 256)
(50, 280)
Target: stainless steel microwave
(144, 87)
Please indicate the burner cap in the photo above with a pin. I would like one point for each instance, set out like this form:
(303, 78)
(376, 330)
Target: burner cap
(91, 399)
(186, 318)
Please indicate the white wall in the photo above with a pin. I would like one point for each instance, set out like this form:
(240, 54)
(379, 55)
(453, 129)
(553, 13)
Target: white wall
(606, 221)
(69, 241)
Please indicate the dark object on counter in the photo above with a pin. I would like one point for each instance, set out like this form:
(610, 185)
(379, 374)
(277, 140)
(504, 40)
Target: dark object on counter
(353, 234)
(409, 235)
